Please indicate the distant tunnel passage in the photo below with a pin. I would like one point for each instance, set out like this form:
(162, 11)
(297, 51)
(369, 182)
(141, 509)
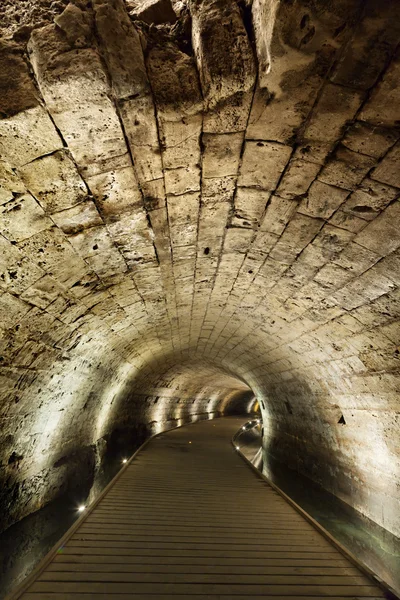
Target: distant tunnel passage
(188, 517)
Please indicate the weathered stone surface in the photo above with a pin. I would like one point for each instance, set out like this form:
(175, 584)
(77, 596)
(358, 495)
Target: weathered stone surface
(299, 232)
(11, 309)
(382, 235)
(387, 171)
(22, 217)
(10, 184)
(182, 214)
(346, 169)
(334, 108)
(263, 164)
(249, 207)
(43, 292)
(356, 258)
(210, 231)
(298, 41)
(122, 48)
(383, 106)
(237, 239)
(76, 25)
(82, 216)
(53, 253)
(157, 246)
(370, 139)
(297, 178)
(322, 200)
(27, 136)
(349, 221)
(230, 116)
(54, 181)
(278, 214)
(221, 154)
(174, 81)
(141, 130)
(152, 11)
(17, 272)
(182, 180)
(153, 194)
(115, 192)
(370, 199)
(374, 40)
(17, 90)
(75, 88)
(223, 52)
(181, 141)
(264, 15)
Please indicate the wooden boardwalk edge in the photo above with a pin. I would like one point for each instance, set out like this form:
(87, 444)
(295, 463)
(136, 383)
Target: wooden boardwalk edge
(390, 592)
(46, 560)
(36, 584)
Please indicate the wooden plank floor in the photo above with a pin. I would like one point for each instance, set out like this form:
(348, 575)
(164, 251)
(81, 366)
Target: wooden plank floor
(188, 517)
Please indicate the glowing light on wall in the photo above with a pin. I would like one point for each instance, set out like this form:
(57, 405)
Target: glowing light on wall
(159, 413)
(108, 401)
(55, 414)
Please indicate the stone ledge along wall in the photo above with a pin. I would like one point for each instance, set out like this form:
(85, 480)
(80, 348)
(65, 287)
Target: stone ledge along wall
(198, 200)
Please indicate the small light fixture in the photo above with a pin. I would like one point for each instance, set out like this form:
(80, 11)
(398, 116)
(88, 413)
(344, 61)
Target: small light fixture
(243, 427)
(124, 460)
(81, 508)
(237, 447)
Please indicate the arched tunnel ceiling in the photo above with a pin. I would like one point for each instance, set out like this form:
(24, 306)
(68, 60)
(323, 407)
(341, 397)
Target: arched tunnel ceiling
(209, 204)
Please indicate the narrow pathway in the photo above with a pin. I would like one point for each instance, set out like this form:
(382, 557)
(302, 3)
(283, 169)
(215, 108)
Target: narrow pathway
(188, 518)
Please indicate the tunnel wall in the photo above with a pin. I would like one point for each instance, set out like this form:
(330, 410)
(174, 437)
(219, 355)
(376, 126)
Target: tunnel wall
(228, 195)
(84, 425)
(328, 445)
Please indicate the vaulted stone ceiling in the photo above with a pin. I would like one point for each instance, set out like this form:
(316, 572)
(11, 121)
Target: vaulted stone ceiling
(196, 207)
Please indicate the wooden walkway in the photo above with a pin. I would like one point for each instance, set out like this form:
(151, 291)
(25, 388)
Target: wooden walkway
(188, 518)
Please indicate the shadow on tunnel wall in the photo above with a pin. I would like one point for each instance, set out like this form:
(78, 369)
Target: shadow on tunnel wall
(345, 450)
(82, 475)
(85, 473)
(65, 448)
(372, 545)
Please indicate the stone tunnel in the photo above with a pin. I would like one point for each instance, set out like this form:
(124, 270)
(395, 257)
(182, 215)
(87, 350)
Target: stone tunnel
(199, 216)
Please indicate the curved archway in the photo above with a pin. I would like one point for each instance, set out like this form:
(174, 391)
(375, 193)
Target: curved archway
(175, 205)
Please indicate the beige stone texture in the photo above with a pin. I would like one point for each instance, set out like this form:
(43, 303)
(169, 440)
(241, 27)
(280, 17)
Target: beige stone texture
(54, 181)
(179, 240)
(263, 164)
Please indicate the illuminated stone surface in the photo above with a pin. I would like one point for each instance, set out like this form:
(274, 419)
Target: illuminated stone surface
(161, 255)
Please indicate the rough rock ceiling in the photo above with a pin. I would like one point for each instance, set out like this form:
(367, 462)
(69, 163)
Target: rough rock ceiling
(194, 209)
